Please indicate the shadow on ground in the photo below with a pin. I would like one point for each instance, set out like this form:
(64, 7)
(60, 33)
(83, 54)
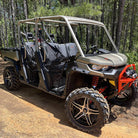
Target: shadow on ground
(46, 102)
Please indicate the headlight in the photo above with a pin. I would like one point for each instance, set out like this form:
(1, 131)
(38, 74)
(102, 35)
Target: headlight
(97, 67)
(134, 76)
(131, 73)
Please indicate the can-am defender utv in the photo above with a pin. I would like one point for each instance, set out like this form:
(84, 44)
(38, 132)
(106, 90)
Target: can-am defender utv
(74, 59)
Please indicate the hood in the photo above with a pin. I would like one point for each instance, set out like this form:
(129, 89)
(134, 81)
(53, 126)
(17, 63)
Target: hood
(110, 59)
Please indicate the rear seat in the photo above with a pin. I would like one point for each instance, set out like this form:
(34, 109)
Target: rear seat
(30, 48)
(67, 50)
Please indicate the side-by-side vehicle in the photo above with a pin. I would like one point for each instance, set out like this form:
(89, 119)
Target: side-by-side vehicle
(75, 59)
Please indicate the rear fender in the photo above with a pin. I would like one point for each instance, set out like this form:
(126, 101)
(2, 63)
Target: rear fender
(13, 63)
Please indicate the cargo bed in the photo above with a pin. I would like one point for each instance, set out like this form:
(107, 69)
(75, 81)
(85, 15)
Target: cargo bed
(10, 53)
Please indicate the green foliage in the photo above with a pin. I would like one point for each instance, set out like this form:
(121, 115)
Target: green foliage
(10, 40)
(93, 10)
(87, 10)
(41, 11)
(84, 10)
(1, 21)
(133, 58)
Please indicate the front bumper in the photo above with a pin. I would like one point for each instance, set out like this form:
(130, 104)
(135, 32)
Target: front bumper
(124, 81)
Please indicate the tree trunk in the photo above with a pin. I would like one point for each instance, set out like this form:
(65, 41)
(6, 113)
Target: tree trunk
(14, 24)
(114, 19)
(26, 12)
(87, 36)
(0, 37)
(65, 2)
(0, 28)
(108, 21)
(126, 26)
(72, 2)
(102, 20)
(132, 26)
(3, 35)
(5, 22)
(9, 14)
(80, 29)
(92, 37)
(45, 2)
(40, 3)
(16, 9)
(25, 9)
(10, 21)
(66, 34)
(60, 32)
(119, 24)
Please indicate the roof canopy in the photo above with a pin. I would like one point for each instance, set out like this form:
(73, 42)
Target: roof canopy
(62, 20)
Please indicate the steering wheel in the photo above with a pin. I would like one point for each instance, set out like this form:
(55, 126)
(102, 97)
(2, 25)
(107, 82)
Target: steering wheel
(93, 48)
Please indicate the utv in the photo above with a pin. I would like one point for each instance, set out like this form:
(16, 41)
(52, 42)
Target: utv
(74, 59)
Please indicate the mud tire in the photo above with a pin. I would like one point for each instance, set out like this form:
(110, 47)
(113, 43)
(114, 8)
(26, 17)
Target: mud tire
(11, 78)
(101, 105)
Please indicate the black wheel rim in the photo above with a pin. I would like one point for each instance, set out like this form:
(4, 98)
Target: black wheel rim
(84, 111)
(7, 79)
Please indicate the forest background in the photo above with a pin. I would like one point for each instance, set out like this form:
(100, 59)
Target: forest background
(119, 16)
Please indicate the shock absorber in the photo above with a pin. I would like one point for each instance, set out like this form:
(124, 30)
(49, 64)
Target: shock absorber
(95, 81)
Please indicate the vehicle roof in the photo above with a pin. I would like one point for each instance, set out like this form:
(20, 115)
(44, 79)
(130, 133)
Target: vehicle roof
(58, 18)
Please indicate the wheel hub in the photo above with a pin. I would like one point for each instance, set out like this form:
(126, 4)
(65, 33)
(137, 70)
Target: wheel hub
(85, 110)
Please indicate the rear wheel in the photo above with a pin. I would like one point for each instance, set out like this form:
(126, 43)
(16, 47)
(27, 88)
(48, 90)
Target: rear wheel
(11, 79)
(87, 109)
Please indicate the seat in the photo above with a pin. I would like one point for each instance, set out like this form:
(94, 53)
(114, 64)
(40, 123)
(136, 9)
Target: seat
(30, 48)
(67, 50)
(72, 49)
(30, 55)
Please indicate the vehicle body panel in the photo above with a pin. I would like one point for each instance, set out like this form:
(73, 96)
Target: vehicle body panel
(111, 59)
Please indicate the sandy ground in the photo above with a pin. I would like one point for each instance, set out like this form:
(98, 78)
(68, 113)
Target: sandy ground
(29, 112)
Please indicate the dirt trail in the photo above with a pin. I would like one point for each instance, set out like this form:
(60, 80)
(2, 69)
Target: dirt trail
(32, 113)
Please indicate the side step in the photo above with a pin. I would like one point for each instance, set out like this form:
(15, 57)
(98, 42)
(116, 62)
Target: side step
(59, 90)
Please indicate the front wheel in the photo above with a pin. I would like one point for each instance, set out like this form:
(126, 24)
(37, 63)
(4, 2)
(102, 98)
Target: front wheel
(87, 109)
(127, 96)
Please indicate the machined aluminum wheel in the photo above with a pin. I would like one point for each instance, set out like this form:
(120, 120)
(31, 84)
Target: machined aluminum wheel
(87, 109)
